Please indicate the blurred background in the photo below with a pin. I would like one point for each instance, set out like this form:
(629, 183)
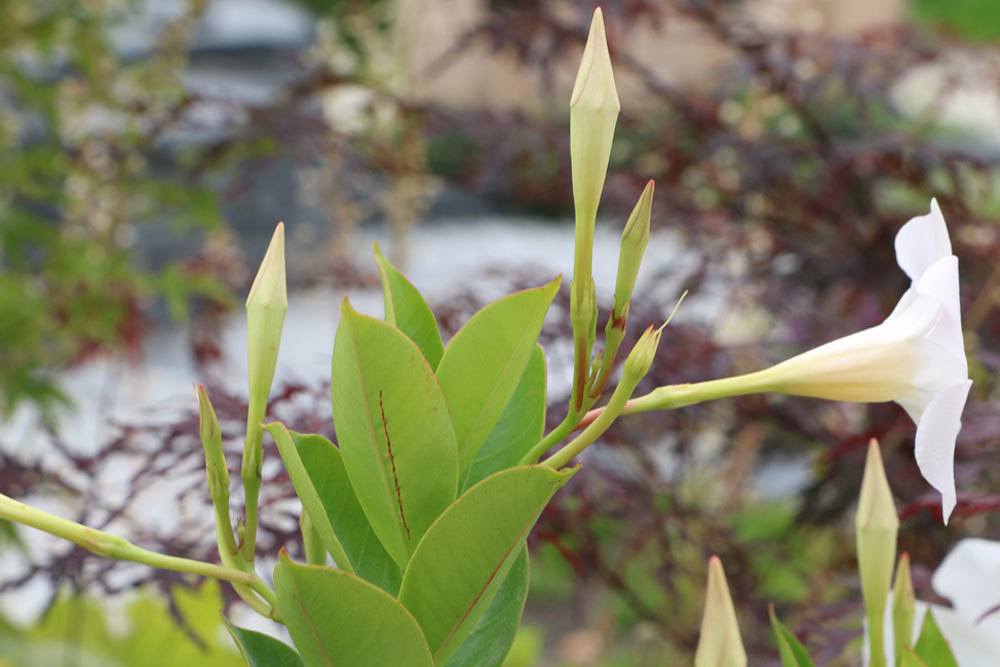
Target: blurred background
(149, 147)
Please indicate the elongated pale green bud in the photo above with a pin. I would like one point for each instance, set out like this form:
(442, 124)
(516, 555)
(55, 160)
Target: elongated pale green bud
(635, 239)
(211, 442)
(876, 527)
(217, 473)
(904, 604)
(267, 304)
(720, 644)
(593, 112)
(594, 108)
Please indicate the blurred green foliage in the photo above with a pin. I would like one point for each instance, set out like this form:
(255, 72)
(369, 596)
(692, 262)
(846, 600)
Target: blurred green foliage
(78, 137)
(81, 631)
(972, 19)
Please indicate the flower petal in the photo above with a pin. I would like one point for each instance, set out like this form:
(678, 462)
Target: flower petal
(969, 577)
(922, 241)
(940, 282)
(935, 443)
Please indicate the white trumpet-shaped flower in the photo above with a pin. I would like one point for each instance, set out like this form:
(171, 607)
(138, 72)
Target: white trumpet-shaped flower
(916, 357)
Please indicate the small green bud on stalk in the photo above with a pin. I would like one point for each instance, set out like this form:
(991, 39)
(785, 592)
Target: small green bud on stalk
(636, 366)
(640, 359)
(904, 604)
(266, 306)
(635, 239)
(217, 472)
(720, 644)
(876, 527)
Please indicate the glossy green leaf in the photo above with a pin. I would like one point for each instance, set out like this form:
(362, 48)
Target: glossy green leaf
(790, 649)
(910, 659)
(464, 557)
(395, 434)
(260, 650)
(493, 635)
(521, 425)
(483, 364)
(408, 311)
(317, 471)
(335, 618)
(931, 646)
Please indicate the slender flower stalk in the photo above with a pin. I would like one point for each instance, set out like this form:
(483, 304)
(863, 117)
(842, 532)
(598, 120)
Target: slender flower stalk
(266, 306)
(876, 528)
(720, 643)
(114, 547)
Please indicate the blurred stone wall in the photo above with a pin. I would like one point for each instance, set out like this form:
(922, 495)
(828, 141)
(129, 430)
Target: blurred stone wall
(678, 53)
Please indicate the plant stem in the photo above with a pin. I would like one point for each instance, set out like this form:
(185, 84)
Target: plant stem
(680, 395)
(599, 425)
(114, 547)
(311, 541)
(250, 471)
(564, 428)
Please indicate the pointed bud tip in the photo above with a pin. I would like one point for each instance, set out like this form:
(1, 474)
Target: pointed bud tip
(876, 508)
(595, 82)
(720, 642)
(269, 285)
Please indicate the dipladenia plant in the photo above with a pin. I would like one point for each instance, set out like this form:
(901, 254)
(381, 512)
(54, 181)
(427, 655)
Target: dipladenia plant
(413, 524)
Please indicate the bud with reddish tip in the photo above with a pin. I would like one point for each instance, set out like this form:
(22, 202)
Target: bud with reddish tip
(720, 643)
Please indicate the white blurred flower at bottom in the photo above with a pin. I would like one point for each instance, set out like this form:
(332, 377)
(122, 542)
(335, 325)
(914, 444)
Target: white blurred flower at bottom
(969, 578)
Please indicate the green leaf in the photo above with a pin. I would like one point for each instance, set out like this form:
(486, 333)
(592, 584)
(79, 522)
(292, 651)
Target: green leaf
(909, 659)
(521, 425)
(465, 556)
(317, 471)
(394, 430)
(483, 364)
(493, 635)
(408, 311)
(791, 650)
(931, 646)
(335, 618)
(260, 650)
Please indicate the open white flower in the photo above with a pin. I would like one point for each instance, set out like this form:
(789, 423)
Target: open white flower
(916, 357)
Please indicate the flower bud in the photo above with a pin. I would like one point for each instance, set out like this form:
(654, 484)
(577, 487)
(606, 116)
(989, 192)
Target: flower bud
(876, 526)
(217, 473)
(720, 644)
(211, 441)
(904, 603)
(594, 108)
(635, 238)
(266, 307)
(640, 359)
